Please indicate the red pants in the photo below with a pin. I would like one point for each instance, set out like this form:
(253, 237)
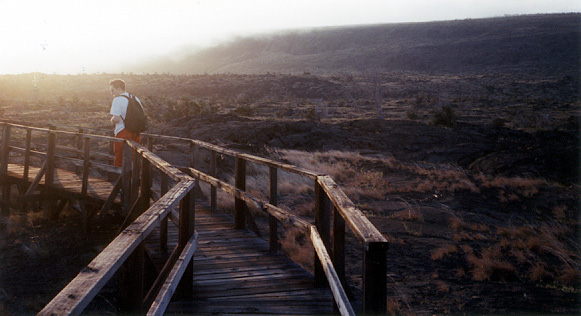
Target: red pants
(118, 146)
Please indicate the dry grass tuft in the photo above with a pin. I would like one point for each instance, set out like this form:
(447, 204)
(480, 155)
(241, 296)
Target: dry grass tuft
(539, 272)
(443, 251)
(570, 276)
(298, 247)
(529, 246)
(489, 264)
(410, 215)
(17, 224)
(393, 307)
(442, 287)
(512, 189)
(457, 223)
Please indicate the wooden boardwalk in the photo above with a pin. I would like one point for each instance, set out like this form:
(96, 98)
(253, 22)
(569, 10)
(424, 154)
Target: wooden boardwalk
(234, 273)
(214, 267)
(66, 182)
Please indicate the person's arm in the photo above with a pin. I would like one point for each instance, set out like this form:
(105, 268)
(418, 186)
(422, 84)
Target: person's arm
(115, 119)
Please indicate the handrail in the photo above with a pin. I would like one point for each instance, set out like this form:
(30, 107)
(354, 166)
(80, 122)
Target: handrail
(334, 282)
(330, 199)
(364, 230)
(128, 245)
(237, 154)
(73, 299)
(333, 208)
(320, 249)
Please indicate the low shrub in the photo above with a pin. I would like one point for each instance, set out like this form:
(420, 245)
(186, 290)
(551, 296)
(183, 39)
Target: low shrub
(444, 117)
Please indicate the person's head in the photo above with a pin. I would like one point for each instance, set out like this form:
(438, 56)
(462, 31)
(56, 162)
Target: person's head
(117, 87)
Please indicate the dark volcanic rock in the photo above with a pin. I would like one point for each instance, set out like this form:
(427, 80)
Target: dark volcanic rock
(549, 154)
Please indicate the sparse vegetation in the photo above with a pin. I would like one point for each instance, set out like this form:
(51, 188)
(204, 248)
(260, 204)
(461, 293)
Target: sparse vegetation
(477, 213)
(444, 117)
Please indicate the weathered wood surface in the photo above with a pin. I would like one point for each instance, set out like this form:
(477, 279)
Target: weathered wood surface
(83, 288)
(67, 182)
(332, 277)
(235, 273)
(364, 230)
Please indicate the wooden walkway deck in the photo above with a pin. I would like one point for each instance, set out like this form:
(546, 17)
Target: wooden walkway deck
(231, 270)
(234, 273)
(68, 183)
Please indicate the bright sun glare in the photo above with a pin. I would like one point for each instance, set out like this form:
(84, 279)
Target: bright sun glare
(70, 36)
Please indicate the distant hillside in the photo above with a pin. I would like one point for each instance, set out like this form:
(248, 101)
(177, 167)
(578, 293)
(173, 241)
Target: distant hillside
(534, 43)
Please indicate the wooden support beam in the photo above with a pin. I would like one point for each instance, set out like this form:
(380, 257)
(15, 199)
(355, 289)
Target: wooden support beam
(135, 175)
(146, 177)
(87, 284)
(273, 199)
(131, 281)
(375, 279)
(50, 172)
(213, 173)
(86, 164)
(126, 178)
(323, 224)
(175, 276)
(27, 154)
(240, 183)
(363, 229)
(4, 181)
(341, 300)
(339, 246)
(111, 199)
(80, 143)
(186, 230)
(163, 225)
(161, 277)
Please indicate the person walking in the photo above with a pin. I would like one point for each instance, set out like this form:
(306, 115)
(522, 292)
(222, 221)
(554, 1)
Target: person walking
(118, 114)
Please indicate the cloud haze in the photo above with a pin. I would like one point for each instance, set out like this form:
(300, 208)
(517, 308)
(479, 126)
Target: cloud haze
(66, 36)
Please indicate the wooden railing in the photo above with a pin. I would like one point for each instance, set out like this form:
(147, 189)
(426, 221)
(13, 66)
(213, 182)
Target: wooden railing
(40, 143)
(126, 252)
(333, 212)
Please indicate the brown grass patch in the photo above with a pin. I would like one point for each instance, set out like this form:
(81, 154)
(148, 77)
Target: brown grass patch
(410, 215)
(488, 264)
(443, 251)
(298, 247)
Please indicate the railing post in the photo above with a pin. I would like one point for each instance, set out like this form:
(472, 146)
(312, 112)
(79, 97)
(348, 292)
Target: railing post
(213, 172)
(86, 165)
(186, 229)
(163, 225)
(135, 175)
(146, 178)
(273, 199)
(50, 170)
(126, 178)
(27, 154)
(194, 156)
(112, 176)
(339, 246)
(131, 281)
(323, 224)
(79, 144)
(374, 278)
(5, 211)
(240, 183)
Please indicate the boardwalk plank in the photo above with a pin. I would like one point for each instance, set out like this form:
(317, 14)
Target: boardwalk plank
(234, 273)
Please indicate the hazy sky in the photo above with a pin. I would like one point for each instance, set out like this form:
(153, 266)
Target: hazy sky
(88, 36)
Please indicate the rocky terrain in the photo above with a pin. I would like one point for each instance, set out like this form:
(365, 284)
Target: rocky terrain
(471, 173)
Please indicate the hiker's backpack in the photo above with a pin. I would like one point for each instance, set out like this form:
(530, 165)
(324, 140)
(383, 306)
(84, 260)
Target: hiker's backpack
(135, 119)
